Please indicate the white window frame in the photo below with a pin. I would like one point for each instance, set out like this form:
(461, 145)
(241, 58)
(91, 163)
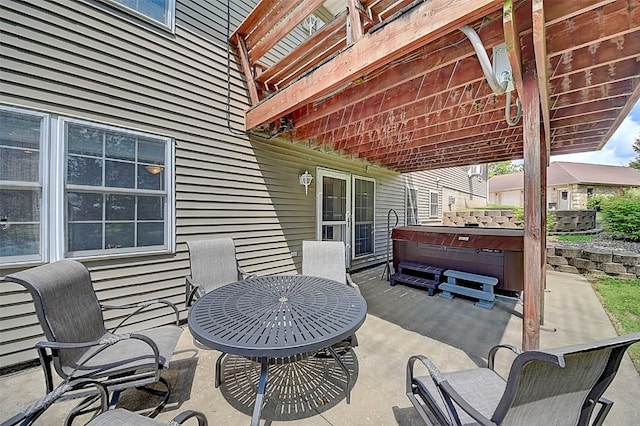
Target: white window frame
(353, 209)
(431, 204)
(411, 205)
(170, 23)
(43, 168)
(53, 161)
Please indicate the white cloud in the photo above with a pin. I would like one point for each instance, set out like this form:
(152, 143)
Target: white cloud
(618, 151)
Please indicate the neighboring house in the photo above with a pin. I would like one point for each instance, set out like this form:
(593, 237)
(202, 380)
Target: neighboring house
(122, 137)
(569, 185)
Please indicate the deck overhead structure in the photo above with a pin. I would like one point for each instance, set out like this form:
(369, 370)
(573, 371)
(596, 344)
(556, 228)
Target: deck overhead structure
(397, 84)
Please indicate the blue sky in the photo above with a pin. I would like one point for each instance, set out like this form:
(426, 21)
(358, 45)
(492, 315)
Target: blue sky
(618, 151)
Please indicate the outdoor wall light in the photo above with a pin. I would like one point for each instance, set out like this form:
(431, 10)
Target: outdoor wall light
(153, 169)
(305, 179)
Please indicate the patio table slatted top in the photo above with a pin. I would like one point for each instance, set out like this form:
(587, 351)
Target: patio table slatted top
(277, 316)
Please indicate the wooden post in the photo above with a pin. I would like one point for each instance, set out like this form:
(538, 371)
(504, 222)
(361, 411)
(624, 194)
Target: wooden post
(544, 163)
(534, 232)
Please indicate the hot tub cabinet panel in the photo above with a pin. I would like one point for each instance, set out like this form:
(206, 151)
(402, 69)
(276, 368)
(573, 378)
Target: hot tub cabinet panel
(486, 251)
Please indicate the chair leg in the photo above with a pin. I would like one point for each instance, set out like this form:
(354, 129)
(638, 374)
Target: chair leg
(165, 396)
(602, 412)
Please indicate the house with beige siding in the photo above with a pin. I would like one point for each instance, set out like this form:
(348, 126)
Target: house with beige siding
(569, 185)
(122, 137)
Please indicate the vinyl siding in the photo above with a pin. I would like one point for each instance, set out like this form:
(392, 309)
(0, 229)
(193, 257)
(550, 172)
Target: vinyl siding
(91, 61)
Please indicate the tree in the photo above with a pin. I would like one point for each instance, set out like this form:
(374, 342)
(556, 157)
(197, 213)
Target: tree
(635, 163)
(503, 168)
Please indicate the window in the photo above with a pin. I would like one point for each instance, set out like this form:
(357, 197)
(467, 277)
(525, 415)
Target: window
(411, 206)
(160, 11)
(115, 189)
(364, 209)
(590, 192)
(113, 186)
(21, 194)
(433, 203)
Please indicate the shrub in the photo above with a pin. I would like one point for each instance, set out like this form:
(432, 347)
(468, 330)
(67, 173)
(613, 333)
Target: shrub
(621, 215)
(595, 202)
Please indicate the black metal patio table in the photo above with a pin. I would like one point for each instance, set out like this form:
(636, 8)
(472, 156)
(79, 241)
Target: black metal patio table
(278, 317)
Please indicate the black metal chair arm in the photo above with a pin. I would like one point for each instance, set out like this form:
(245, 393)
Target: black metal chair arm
(494, 350)
(186, 415)
(139, 307)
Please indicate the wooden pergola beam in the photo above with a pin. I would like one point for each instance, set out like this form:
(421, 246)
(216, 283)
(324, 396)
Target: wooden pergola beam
(427, 22)
(246, 68)
(265, 37)
(540, 51)
(512, 39)
(355, 29)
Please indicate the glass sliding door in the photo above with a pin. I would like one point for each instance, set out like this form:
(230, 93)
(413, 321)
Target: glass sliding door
(333, 203)
(364, 215)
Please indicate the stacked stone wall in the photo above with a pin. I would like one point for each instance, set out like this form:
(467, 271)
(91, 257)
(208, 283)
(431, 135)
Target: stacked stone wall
(622, 264)
(574, 220)
(482, 218)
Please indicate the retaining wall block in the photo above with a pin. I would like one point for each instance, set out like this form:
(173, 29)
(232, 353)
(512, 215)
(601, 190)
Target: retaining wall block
(500, 219)
(557, 261)
(508, 225)
(493, 213)
(570, 252)
(551, 251)
(613, 268)
(596, 273)
(598, 255)
(567, 268)
(582, 263)
(627, 258)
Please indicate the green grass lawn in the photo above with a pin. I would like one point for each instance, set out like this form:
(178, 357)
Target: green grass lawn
(621, 300)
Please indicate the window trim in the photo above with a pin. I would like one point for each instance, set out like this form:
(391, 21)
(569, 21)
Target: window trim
(171, 14)
(415, 207)
(353, 225)
(43, 170)
(53, 187)
(437, 194)
(61, 222)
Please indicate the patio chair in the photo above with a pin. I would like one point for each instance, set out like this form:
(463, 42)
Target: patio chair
(552, 386)
(71, 319)
(103, 415)
(326, 259)
(213, 264)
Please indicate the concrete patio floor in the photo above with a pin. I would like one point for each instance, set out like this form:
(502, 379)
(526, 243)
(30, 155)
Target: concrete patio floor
(401, 321)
